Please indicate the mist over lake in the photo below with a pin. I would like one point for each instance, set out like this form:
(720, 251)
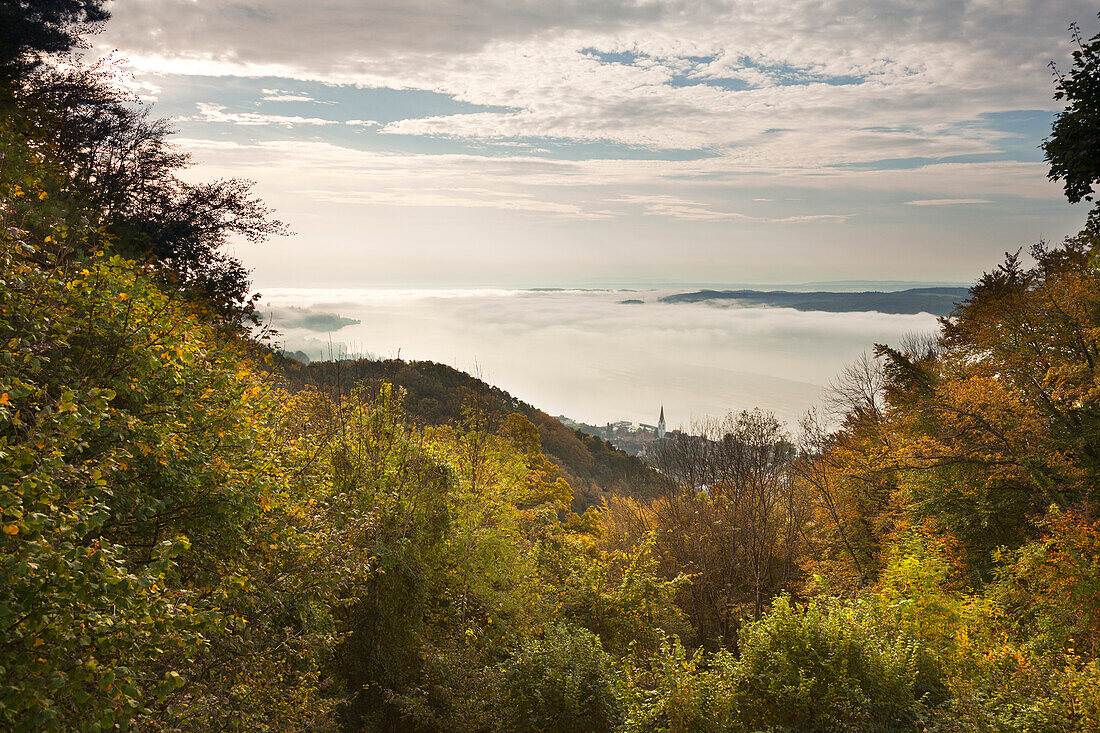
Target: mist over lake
(589, 355)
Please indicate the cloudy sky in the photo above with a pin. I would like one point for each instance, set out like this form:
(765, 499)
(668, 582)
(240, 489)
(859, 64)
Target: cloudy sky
(422, 143)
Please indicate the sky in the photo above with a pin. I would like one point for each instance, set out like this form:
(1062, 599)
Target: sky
(527, 143)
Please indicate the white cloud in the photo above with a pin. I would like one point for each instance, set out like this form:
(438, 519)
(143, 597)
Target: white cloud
(281, 95)
(460, 197)
(917, 70)
(599, 179)
(946, 202)
(678, 208)
(588, 356)
(786, 107)
(218, 113)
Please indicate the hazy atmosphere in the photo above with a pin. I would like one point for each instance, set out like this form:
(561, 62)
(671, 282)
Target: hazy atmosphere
(591, 357)
(614, 145)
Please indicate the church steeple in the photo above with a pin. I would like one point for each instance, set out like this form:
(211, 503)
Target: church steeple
(661, 425)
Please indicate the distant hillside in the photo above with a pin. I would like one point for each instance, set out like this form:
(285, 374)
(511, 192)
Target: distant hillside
(937, 301)
(436, 393)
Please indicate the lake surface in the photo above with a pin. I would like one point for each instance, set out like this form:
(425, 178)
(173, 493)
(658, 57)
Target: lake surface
(590, 356)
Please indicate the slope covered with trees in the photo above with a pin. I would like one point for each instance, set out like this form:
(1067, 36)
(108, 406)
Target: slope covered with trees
(193, 538)
(436, 394)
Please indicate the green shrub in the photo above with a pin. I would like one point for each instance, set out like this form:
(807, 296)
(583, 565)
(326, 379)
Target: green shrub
(675, 693)
(1021, 691)
(825, 669)
(563, 682)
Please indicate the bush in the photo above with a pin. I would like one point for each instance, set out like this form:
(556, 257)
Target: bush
(825, 669)
(678, 694)
(563, 682)
(1016, 690)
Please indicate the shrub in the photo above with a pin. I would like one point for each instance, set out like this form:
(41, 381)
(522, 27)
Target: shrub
(825, 668)
(675, 693)
(562, 682)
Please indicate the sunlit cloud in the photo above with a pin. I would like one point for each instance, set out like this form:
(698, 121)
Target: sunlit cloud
(947, 202)
(279, 95)
(453, 197)
(218, 113)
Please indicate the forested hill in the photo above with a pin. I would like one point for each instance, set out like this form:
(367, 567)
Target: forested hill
(437, 394)
(937, 301)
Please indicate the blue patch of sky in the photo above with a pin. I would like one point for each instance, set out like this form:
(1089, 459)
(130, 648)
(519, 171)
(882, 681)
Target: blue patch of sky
(1019, 133)
(780, 74)
(678, 78)
(180, 96)
(889, 164)
(730, 85)
(1023, 130)
(626, 58)
(785, 75)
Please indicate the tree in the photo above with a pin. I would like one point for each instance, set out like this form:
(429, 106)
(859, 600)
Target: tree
(731, 520)
(1073, 148)
(561, 683)
(30, 29)
(120, 173)
(1002, 420)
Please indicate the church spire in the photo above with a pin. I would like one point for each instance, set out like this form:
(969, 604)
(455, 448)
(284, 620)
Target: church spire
(661, 425)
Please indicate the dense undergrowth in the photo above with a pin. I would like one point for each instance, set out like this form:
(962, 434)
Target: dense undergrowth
(187, 544)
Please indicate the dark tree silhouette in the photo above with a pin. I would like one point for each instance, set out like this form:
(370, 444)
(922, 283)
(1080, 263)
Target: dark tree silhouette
(1073, 148)
(120, 173)
(30, 29)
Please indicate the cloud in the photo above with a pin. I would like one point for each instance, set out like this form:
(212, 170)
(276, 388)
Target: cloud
(332, 34)
(946, 202)
(559, 141)
(218, 113)
(280, 95)
(689, 191)
(306, 320)
(458, 197)
(842, 81)
(587, 355)
(209, 112)
(678, 208)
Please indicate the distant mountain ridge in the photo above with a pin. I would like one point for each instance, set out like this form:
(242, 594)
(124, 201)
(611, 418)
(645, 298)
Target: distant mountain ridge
(939, 301)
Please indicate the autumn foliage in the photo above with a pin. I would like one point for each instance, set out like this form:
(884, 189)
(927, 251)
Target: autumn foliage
(192, 541)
